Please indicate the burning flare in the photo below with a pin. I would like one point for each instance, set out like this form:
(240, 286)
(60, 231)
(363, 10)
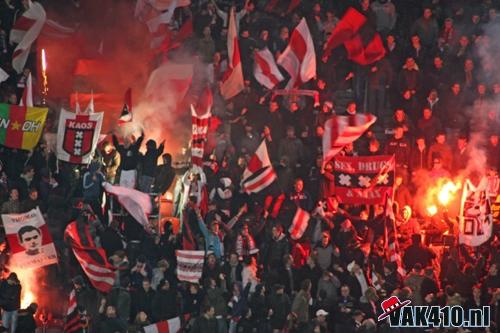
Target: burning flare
(432, 210)
(27, 277)
(447, 192)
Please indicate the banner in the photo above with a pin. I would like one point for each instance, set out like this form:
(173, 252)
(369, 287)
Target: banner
(364, 179)
(29, 240)
(190, 265)
(21, 126)
(476, 220)
(77, 136)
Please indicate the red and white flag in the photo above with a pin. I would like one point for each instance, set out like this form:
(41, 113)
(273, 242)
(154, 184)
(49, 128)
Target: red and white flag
(78, 136)
(168, 326)
(126, 115)
(27, 98)
(200, 117)
(259, 172)
(342, 130)
(232, 82)
(299, 58)
(92, 259)
(136, 203)
(265, 70)
(168, 85)
(25, 31)
(159, 5)
(391, 236)
(158, 26)
(190, 265)
(73, 322)
(52, 29)
(299, 223)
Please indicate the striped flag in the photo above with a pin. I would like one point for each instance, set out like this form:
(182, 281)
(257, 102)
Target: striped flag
(168, 326)
(21, 126)
(190, 265)
(91, 258)
(27, 98)
(73, 321)
(232, 82)
(299, 223)
(265, 70)
(200, 117)
(343, 130)
(299, 58)
(25, 31)
(390, 233)
(259, 172)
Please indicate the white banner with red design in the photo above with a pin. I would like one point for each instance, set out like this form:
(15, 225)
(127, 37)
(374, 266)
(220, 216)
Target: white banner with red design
(77, 136)
(364, 179)
(29, 240)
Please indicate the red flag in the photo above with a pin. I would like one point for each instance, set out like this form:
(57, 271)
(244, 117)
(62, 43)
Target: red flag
(363, 54)
(363, 44)
(126, 116)
(265, 70)
(345, 29)
(232, 83)
(299, 223)
(343, 130)
(299, 58)
(91, 258)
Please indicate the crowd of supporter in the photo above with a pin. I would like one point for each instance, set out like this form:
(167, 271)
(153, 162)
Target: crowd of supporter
(435, 94)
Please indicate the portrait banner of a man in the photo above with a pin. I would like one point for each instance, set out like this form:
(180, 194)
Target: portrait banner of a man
(29, 240)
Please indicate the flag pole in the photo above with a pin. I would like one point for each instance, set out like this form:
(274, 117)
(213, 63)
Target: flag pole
(45, 84)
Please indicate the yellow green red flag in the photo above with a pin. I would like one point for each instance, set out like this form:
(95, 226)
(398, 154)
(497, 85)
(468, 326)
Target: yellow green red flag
(21, 126)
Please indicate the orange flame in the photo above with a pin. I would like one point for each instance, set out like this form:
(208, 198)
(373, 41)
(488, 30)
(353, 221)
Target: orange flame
(27, 277)
(432, 210)
(447, 192)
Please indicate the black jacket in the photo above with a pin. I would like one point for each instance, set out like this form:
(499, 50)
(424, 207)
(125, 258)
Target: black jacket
(164, 305)
(10, 296)
(130, 156)
(150, 160)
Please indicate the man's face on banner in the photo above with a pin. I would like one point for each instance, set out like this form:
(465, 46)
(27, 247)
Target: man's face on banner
(31, 241)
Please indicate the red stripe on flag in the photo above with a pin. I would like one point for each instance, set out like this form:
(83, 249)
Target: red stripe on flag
(260, 182)
(23, 23)
(14, 135)
(265, 68)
